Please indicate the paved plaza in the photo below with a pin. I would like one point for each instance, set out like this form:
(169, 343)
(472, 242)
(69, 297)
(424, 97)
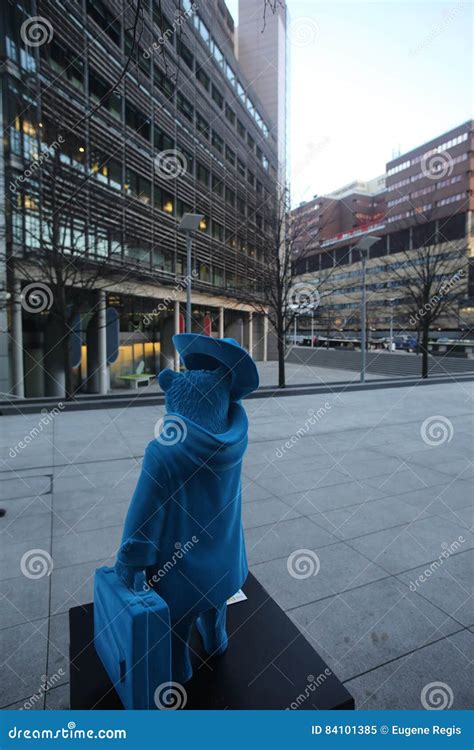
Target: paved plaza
(357, 515)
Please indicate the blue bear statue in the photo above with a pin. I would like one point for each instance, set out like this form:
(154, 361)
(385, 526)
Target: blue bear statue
(183, 527)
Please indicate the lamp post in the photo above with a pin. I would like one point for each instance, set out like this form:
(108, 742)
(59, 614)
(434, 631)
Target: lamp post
(363, 246)
(391, 301)
(189, 224)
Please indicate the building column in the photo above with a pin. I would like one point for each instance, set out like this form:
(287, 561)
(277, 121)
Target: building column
(221, 322)
(176, 330)
(251, 334)
(102, 343)
(17, 343)
(265, 338)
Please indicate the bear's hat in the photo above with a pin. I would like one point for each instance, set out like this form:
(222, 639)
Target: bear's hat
(198, 352)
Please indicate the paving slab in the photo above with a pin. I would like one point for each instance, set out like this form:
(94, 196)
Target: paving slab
(411, 545)
(23, 599)
(307, 575)
(366, 627)
(399, 685)
(448, 583)
(280, 539)
(23, 651)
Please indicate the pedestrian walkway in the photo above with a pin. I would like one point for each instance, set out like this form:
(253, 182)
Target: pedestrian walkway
(357, 515)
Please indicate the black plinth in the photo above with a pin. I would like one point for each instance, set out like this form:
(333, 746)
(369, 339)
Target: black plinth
(268, 665)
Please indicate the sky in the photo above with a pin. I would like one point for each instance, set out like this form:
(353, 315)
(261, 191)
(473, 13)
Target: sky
(369, 80)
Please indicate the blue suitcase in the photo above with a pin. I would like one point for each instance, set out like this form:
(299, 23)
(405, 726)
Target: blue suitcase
(132, 638)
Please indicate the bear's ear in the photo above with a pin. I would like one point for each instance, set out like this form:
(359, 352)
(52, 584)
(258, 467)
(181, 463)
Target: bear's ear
(166, 377)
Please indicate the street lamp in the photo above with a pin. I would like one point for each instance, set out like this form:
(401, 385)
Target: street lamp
(189, 224)
(391, 301)
(363, 246)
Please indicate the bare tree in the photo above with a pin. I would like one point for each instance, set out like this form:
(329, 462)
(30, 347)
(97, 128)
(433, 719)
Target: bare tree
(432, 282)
(285, 240)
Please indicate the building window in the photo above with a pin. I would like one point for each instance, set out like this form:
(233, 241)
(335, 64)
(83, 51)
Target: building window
(229, 196)
(217, 97)
(250, 178)
(218, 55)
(240, 129)
(202, 126)
(217, 142)
(163, 82)
(241, 167)
(230, 114)
(250, 142)
(137, 120)
(104, 18)
(202, 174)
(185, 54)
(185, 107)
(217, 185)
(230, 155)
(230, 74)
(217, 231)
(203, 78)
(162, 141)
